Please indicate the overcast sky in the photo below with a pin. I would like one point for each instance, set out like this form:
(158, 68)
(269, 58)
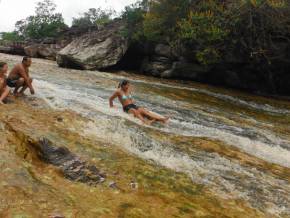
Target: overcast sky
(14, 10)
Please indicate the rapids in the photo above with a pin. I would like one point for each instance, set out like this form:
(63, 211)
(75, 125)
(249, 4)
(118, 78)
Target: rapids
(235, 144)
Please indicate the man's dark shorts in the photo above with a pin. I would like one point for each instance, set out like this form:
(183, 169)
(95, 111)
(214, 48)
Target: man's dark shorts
(11, 82)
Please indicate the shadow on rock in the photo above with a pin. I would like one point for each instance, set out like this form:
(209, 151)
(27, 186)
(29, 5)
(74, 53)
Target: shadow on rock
(71, 165)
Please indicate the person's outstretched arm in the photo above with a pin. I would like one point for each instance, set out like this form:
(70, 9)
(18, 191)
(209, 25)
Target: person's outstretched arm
(112, 98)
(27, 80)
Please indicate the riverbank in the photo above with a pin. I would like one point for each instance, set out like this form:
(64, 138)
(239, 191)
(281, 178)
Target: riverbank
(223, 154)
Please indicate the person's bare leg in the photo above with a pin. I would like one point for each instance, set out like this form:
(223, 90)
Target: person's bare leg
(140, 117)
(4, 94)
(2, 89)
(25, 86)
(2, 84)
(20, 83)
(23, 89)
(153, 116)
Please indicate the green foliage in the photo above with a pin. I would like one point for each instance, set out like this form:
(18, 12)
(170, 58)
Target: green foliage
(11, 37)
(262, 26)
(161, 23)
(205, 29)
(134, 16)
(211, 29)
(45, 23)
(94, 17)
(208, 56)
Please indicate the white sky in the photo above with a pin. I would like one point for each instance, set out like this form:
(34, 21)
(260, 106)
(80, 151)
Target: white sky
(14, 10)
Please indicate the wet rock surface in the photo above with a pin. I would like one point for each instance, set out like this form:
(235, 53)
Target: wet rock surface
(156, 172)
(72, 166)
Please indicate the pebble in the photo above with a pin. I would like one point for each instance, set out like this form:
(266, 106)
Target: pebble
(134, 185)
(113, 185)
(102, 179)
(56, 216)
(59, 119)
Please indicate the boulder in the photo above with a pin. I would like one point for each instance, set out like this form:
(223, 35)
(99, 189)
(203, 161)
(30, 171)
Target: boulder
(165, 63)
(163, 50)
(156, 65)
(47, 51)
(189, 71)
(14, 50)
(31, 50)
(99, 49)
(6, 50)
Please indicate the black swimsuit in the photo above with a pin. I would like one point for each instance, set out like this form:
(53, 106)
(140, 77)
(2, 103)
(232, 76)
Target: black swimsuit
(12, 82)
(128, 107)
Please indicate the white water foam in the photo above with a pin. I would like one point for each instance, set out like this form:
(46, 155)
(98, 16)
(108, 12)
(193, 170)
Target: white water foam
(237, 101)
(227, 178)
(202, 167)
(86, 104)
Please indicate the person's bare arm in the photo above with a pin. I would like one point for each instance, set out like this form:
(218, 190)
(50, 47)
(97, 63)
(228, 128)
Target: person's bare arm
(112, 98)
(30, 80)
(25, 76)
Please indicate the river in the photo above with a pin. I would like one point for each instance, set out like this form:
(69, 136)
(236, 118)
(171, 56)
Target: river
(236, 144)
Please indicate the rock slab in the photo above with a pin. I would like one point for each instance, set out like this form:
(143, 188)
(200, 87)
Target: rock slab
(99, 49)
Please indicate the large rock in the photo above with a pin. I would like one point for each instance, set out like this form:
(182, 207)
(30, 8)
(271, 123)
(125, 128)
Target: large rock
(14, 50)
(31, 50)
(163, 50)
(6, 50)
(187, 71)
(166, 63)
(98, 49)
(47, 51)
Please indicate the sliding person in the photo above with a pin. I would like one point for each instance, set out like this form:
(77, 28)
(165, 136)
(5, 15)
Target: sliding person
(19, 78)
(123, 93)
(4, 90)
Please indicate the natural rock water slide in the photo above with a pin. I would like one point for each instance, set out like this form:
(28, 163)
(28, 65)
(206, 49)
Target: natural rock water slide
(64, 152)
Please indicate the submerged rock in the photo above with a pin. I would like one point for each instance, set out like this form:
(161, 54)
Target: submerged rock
(98, 49)
(71, 165)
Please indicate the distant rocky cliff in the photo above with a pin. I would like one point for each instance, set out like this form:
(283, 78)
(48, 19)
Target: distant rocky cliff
(108, 49)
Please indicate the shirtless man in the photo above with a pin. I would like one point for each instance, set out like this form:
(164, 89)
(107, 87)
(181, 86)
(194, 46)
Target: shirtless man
(19, 78)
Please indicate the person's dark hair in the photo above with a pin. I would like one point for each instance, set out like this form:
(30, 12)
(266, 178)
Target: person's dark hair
(25, 58)
(2, 64)
(123, 83)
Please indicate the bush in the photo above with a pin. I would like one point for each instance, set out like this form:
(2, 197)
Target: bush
(205, 29)
(11, 37)
(93, 17)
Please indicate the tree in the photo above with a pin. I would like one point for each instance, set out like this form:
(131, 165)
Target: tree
(134, 17)
(11, 36)
(45, 23)
(161, 21)
(205, 30)
(93, 17)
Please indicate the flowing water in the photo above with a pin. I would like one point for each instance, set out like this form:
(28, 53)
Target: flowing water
(235, 144)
